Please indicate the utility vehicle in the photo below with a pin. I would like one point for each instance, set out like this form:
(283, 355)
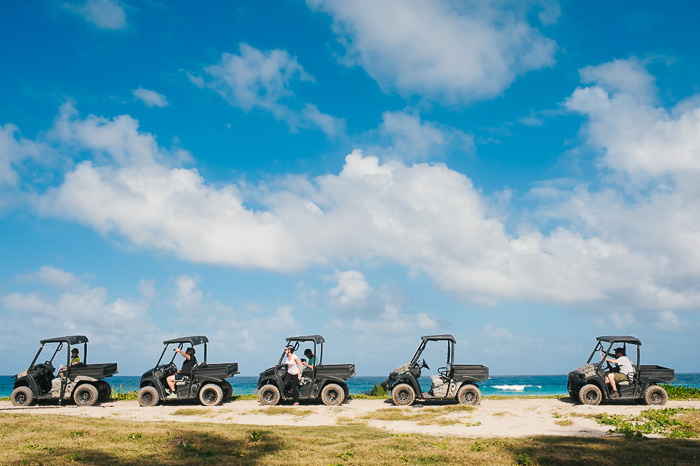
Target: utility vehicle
(453, 381)
(83, 382)
(325, 381)
(207, 382)
(587, 383)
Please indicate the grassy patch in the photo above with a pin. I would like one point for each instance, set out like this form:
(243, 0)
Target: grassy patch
(669, 422)
(681, 392)
(47, 439)
(564, 422)
(191, 412)
(251, 396)
(425, 416)
(277, 410)
(118, 394)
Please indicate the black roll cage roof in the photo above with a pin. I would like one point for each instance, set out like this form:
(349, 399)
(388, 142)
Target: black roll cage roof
(612, 339)
(317, 340)
(70, 340)
(451, 342)
(180, 342)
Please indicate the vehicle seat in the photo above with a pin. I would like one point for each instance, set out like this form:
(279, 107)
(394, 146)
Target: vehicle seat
(436, 381)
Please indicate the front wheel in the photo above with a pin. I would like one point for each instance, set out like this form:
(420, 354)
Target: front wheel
(332, 395)
(148, 396)
(655, 396)
(85, 395)
(211, 395)
(469, 395)
(269, 395)
(403, 395)
(590, 395)
(22, 396)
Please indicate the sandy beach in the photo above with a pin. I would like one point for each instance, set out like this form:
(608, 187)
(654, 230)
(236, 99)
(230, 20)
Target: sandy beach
(493, 418)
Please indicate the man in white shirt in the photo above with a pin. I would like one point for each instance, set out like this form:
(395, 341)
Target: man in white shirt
(625, 374)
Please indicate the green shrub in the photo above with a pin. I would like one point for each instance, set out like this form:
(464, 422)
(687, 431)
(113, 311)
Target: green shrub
(681, 392)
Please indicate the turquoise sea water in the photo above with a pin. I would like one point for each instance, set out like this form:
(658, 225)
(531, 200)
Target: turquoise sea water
(511, 385)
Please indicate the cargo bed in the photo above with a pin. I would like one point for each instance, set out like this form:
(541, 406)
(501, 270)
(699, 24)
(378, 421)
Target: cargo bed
(96, 371)
(219, 371)
(471, 371)
(341, 371)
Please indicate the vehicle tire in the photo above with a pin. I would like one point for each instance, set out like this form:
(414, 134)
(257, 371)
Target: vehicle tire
(403, 395)
(228, 390)
(22, 396)
(86, 395)
(655, 396)
(104, 391)
(269, 395)
(211, 395)
(332, 395)
(469, 395)
(148, 396)
(590, 395)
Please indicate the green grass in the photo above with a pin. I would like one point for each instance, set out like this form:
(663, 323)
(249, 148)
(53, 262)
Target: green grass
(280, 410)
(52, 440)
(669, 422)
(118, 394)
(191, 412)
(424, 416)
(681, 392)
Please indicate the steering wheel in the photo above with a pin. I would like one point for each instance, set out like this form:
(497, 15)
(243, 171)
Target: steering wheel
(49, 367)
(443, 371)
(425, 364)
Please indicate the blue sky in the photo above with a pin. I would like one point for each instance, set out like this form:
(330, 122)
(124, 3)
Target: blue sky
(521, 174)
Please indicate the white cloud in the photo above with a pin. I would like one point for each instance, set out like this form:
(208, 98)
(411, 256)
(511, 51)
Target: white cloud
(352, 288)
(151, 98)
(52, 276)
(453, 52)
(426, 217)
(255, 79)
(404, 136)
(14, 151)
(104, 14)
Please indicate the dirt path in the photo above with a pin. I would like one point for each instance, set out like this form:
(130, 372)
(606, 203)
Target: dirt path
(493, 418)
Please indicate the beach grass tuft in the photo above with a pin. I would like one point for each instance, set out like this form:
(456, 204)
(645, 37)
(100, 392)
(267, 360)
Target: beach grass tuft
(191, 412)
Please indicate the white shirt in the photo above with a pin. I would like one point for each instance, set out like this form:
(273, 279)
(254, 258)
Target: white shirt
(293, 363)
(625, 365)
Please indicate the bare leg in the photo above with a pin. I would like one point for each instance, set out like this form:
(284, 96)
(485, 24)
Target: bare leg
(611, 381)
(171, 382)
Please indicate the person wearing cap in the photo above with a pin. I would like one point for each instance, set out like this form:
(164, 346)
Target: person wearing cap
(625, 373)
(74, 359)
(293, 375)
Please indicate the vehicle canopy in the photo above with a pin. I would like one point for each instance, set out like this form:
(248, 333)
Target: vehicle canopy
(605, 343)
(317, 340)
(70, 340)
(181, 341)
(446, 336)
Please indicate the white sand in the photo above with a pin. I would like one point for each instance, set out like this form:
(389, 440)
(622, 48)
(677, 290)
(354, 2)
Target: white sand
(493, 418)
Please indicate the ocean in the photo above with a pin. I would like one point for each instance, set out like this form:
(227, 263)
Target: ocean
(510, 385)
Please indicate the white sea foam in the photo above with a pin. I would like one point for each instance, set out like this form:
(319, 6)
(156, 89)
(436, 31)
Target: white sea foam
(514, 388)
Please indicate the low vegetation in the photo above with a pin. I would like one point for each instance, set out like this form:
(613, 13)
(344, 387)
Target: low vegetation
(681, 392)
(668, 422)
(191, 412)
(61, 440)
(379, 391)
(278, 410)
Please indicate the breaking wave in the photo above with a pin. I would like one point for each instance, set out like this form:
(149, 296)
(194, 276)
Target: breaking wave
(515, 388)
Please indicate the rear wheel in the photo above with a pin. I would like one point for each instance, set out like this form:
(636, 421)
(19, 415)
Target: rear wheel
(332, 395)
(104, 391)
(228, 390)
(22, 396)
(85, 395)
(403, 395)
(211, 395)
(590, 395)
(655, 396)
(469, 395)
(148, 396)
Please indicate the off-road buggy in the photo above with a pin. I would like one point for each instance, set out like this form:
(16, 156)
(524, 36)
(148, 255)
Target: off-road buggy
(82, 382)
(453, 381)
(587, 383)
(325, 381)
(207, 382)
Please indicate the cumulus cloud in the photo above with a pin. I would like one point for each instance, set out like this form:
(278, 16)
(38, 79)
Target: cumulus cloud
(404, 136)
(431, 219)
(352, 288)
(14, 151)
(256, 79)
(452, 52)
(104, 14)
(151, 98)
